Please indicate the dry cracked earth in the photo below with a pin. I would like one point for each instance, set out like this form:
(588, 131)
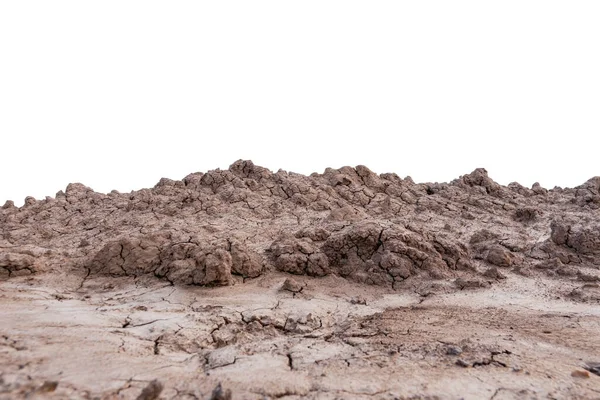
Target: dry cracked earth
(249, 284)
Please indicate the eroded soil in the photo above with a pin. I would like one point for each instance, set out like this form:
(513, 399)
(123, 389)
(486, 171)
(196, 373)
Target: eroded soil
(333, 340)
(248, 284)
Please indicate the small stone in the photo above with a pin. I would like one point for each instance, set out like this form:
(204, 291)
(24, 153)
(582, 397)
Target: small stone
(462, 363)
(358, 300)
(494, 273)
(48, 386)
(223, 337)
(453, 350)
(499, 257)
(221, 357)
(292, 285)
(580, 374)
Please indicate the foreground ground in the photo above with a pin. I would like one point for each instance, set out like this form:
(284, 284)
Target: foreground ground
(110, 338)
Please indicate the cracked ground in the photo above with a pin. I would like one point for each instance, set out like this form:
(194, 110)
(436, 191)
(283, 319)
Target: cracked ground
(110, 338)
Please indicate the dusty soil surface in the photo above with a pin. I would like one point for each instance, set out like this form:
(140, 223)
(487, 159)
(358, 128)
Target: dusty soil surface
(248, 284)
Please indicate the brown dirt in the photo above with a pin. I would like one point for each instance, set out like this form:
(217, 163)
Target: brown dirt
(251, 284)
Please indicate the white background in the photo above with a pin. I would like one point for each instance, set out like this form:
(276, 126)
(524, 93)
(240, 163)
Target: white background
(117, 94)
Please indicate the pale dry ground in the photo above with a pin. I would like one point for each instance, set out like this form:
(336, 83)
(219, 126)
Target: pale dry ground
(520, 339)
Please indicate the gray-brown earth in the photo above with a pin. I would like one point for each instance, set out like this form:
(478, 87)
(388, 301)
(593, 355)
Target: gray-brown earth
(248, 284)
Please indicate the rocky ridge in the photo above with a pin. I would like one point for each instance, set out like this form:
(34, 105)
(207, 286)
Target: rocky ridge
(210, 227)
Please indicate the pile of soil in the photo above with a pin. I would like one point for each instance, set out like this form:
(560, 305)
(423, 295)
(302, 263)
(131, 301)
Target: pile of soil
(246, 221)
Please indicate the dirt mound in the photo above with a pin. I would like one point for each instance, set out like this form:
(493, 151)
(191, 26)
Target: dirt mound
(377, 229)
(192, 261)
